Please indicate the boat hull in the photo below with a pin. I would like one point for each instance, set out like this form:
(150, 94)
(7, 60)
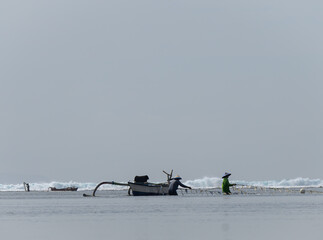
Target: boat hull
(148, 189)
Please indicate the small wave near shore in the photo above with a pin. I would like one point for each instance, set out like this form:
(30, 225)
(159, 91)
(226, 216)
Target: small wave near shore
(205, 182)
(211, 182)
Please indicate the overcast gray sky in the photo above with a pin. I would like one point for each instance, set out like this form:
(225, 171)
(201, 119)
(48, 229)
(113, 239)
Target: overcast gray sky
(106, 90)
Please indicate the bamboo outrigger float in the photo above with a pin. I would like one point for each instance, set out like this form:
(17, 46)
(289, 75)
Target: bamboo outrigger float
(140, 186)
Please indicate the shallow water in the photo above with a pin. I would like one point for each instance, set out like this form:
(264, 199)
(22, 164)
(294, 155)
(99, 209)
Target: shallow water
(115, 215)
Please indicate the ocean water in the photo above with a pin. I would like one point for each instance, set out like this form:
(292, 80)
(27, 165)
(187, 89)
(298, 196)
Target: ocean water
(250, 213)
(206, 182)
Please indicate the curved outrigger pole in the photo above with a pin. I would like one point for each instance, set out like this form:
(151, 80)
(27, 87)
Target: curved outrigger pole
(102, 183)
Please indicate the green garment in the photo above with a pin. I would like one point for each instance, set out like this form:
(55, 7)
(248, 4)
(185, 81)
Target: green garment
(225, 186)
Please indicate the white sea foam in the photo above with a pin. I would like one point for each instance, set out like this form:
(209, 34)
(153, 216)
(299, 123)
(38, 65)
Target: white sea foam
(209, 182)
(45, 186)
(205, 182)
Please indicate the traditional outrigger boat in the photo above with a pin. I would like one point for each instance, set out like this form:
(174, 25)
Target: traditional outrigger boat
(62, 189)
(141, 187)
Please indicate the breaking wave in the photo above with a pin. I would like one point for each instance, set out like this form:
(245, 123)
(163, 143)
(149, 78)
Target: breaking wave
(206, 182)
(45, 186)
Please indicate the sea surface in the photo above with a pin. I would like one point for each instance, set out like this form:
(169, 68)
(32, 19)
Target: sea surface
(249, 213)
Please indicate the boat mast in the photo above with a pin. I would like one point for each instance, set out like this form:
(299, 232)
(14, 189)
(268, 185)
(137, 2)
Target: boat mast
(169, 175)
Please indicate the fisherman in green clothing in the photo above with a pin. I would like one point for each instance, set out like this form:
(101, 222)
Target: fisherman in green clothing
(226, 184)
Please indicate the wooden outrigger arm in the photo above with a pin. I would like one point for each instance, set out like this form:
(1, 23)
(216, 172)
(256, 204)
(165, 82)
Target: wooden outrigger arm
(102, 183)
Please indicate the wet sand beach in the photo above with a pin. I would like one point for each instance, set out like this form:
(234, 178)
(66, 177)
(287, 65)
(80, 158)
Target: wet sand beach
(115, 215)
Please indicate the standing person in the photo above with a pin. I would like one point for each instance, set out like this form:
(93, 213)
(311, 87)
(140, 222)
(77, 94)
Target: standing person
(173, 185)
(26, 186)
(226, 184)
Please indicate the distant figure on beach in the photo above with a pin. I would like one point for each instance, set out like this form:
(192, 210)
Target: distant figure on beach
(226, 184)
(173, 185)
(26, 185)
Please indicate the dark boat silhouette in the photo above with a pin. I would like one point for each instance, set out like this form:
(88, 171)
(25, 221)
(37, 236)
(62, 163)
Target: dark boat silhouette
(62, 189)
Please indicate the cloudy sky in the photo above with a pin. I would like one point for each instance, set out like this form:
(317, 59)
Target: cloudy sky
(106, 90)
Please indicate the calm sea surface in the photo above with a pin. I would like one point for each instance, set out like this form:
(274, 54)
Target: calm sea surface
(115, 215)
